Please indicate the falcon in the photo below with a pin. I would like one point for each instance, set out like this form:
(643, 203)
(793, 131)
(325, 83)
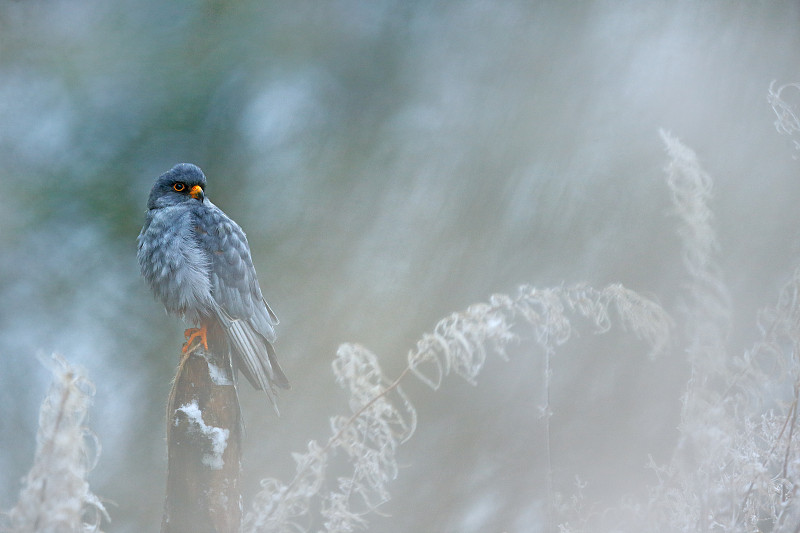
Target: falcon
(198, 263)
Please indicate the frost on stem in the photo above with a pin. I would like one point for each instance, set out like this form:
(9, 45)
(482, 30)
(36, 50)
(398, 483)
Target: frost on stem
(707, 306)
(786, 122)
(460, 342)
(708, 309)
(278, 507)
(736, 465)
(686, 497)
(382, 417)
(56, 495)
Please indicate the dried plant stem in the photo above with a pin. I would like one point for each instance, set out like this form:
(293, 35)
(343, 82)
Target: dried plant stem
(348, 423)
(792, 416)
(547, 414)
(389, 388)
(56, 495)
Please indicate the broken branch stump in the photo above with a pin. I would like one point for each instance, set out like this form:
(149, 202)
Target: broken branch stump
(204, 448)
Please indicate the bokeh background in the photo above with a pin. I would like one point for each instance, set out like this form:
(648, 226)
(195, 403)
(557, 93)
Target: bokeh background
(391, 162)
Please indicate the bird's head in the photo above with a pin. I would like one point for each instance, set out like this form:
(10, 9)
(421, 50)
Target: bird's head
(185, 182)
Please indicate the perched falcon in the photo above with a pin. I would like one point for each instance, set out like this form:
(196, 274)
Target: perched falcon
(197, 261)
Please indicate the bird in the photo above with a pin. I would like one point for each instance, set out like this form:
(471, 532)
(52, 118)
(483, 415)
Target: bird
(197, 262)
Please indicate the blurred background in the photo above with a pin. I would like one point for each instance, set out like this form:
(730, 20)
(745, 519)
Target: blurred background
(391, 162)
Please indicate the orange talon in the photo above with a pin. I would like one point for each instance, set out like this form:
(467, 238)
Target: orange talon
(193, 333)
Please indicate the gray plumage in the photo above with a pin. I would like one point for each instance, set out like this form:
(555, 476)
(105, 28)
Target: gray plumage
(198, 263)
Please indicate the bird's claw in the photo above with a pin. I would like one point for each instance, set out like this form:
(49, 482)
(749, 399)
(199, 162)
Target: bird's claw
(195, 333)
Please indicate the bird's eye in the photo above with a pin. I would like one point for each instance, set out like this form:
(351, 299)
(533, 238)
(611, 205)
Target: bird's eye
(179, 187)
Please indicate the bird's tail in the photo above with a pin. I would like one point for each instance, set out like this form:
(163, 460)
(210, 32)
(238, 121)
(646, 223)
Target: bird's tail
(255, 357)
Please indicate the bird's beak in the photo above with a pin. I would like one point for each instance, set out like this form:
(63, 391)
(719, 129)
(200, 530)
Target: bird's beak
(197, 193)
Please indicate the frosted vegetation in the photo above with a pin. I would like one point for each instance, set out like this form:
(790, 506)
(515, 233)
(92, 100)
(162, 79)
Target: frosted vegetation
(735, 467)
(56, 495)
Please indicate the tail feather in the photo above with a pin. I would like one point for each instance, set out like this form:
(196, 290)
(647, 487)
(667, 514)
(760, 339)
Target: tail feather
(279, 378)
(262, 372)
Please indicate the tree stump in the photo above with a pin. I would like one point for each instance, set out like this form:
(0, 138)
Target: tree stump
(204, 447)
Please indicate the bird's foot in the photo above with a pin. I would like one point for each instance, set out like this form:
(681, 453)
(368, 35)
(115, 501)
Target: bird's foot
(195, 333)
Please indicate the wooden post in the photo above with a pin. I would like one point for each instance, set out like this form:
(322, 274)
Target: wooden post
(204, 448)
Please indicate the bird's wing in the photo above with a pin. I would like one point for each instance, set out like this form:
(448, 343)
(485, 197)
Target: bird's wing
(241, 308)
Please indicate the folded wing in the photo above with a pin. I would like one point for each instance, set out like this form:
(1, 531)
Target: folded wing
(248, 321)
